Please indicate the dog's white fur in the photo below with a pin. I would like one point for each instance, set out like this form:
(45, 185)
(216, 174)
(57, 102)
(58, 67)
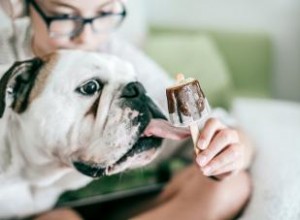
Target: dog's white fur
(39, 145)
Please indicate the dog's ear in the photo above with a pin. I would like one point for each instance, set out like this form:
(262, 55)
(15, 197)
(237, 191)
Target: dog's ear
(17, 83)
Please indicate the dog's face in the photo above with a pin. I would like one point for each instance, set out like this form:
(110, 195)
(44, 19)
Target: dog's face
(81, 109)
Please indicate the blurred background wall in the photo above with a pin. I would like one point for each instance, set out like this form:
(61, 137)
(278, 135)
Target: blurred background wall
(278, 18)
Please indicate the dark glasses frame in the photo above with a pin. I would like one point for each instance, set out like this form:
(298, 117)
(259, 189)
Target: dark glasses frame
(82, 21)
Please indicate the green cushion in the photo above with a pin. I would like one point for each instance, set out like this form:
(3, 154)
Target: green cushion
(196, 56)
(248, 56)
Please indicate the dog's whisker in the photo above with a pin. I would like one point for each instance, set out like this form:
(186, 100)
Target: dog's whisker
(140, 172)
(121, 176)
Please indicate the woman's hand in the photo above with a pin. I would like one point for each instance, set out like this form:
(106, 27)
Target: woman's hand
(223, 149)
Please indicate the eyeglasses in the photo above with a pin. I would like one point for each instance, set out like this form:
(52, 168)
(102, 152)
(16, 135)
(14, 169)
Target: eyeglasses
(110, 18)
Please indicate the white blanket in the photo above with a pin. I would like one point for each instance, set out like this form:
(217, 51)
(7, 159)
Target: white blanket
(274, 127)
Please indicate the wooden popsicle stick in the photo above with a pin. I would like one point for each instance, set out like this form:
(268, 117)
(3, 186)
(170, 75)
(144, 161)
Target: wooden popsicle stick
(179, 77)
(195, 135)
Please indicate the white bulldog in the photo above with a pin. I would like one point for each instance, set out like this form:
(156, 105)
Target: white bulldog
(64, 120)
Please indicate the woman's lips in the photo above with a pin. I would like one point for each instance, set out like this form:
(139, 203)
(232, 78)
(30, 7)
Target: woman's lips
(164, 129)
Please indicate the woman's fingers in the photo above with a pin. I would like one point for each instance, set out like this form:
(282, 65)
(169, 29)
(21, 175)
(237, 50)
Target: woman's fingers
(226, 161)
(210, 128)
(231, 167)
(221, 140)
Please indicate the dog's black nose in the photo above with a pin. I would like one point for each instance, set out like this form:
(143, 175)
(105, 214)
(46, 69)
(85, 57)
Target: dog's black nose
(133, 90)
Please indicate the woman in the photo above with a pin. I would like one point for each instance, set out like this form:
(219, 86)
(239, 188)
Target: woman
(57, 24)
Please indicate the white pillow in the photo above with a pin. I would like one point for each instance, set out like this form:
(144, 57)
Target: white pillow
(274, 126)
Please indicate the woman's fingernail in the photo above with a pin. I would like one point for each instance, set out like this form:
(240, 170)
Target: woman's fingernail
(201, 160)
(206, 170)
(202, 144)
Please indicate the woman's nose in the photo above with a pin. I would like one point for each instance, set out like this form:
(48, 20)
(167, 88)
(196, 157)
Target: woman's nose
(85, 36)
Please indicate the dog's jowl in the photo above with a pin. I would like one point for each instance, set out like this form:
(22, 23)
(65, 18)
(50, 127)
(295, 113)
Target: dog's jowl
(65, 119)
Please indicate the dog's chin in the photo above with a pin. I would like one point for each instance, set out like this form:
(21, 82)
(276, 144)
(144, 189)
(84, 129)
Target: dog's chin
(142, 152)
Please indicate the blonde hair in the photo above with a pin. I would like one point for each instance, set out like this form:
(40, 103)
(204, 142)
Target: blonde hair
(14, 8)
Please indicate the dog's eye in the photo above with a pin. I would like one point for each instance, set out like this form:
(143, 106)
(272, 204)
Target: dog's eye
(89, 88)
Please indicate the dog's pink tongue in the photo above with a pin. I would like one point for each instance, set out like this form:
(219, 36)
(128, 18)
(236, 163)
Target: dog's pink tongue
(163, 128)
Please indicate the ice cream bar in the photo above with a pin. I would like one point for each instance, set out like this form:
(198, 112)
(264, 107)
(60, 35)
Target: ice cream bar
(186, 102)
(187, 105)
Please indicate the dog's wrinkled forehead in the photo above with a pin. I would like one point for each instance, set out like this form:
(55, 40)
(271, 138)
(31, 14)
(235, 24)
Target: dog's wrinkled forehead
(80, 65)
(60, 74)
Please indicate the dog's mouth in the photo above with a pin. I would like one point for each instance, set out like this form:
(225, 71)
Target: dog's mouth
(141, 153)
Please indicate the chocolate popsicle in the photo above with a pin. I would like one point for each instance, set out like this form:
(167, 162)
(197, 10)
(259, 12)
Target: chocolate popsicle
(188, 106)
